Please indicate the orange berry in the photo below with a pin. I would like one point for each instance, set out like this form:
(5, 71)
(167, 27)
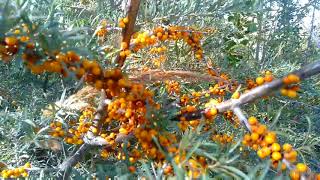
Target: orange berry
(132, 169)
(291, 156)
(247, 137)
(124, 45)
(286, 80)
(86, 64)
(96, 71)
(98, 84)
(11, 41)
(293, 78)
(294, 174)
(262, 129)
(24, 174)
(264, 152)
(268, 78)
(127, 52)
(159, 34)
(268, 73)
(24, 38)
(80, 72)
(269, 139)
(27, 165)
(213, 111)
(122, 24)
(73, 56)
(168, 169)
(255, 147)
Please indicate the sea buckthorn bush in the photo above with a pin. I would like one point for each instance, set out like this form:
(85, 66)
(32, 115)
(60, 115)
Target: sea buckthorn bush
(156, 90)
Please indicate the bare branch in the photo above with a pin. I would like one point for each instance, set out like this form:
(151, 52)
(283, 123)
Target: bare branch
(65, 167)
(100, 112)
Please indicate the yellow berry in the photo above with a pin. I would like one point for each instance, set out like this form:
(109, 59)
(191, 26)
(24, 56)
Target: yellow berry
(252, 120)
(11, 41)
(122, 54)
(284, 92)
(275, 147)
(254, 136)
(125, 20)
(259, 80)
(287, 147)
(269, 139)
(235, 95)
(276, 156)
(292, 94)
(302, 168)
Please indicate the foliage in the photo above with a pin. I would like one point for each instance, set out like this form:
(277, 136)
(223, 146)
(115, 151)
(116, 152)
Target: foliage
(50, 50)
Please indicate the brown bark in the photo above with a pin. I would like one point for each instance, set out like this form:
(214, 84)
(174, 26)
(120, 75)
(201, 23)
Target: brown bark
(127, 32)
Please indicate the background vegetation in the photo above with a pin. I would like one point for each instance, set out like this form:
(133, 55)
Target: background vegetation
(241, 38)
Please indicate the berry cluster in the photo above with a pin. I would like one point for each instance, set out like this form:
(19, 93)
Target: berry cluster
(75, 133)
(265, 143)
(222, 138)
(56, 129)
(16, 172)
(173, 87)
(123, 22)
(290, 89)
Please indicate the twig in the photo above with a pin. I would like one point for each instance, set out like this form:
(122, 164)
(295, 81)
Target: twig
(237, 111)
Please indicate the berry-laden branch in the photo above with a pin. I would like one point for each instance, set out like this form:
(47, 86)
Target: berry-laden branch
(90, 140)
(255, 93)
(260, 138)
(65, 167)
(268, 88)
(128, 29)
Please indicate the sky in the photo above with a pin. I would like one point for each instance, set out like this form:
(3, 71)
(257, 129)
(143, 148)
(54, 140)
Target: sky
(307, 20)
